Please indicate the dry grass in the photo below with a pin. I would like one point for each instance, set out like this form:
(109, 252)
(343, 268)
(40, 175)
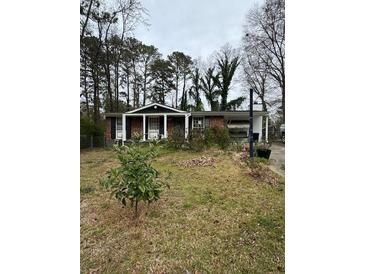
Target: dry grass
(211, 220)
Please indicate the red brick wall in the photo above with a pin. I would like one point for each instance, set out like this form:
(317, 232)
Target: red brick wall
(136, 125)
(217, 121)
(108, 128)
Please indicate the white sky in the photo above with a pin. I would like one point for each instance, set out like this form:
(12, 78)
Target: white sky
(196, 27)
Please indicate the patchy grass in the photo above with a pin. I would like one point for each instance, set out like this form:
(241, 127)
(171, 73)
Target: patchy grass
(211, 220)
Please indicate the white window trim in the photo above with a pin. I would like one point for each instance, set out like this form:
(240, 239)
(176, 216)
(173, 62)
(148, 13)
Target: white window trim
(203, 122)
(116, 128)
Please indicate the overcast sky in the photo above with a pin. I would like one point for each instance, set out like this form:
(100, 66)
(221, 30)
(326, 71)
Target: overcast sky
(195, 27)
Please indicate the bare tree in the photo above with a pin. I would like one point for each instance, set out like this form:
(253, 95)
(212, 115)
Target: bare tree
(256, 74)
(265, 32)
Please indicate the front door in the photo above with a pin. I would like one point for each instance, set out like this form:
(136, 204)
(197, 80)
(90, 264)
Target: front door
(153, 127)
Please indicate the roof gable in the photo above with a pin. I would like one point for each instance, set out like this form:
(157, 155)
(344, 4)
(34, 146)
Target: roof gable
(156, 108)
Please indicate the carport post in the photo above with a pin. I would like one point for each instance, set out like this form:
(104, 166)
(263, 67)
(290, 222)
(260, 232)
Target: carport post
(250, 132)
(267, 129)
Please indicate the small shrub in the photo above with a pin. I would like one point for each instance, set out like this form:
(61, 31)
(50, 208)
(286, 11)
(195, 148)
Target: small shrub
(222, 138)
(237, 146)
(86, 189)
(177, 139)
(209, 137)
(137, 137)
(135, 179)
(196, 140)
(262, 145)
(91, 132)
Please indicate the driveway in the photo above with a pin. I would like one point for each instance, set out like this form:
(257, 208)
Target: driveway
(277, 158)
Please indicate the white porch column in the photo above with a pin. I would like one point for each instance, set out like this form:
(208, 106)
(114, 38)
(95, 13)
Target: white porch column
(186, 126)
(144, 127)
(165, 125)
(124, 137)
(267, 129)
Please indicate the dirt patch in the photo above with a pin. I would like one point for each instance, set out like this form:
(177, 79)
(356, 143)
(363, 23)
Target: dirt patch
(201, 161)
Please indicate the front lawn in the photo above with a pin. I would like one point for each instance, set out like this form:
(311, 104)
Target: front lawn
(212, 219)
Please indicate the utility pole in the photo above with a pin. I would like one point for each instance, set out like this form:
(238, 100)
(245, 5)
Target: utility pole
(250, 132)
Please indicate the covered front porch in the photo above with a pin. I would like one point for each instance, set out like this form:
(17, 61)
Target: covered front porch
(153, 126)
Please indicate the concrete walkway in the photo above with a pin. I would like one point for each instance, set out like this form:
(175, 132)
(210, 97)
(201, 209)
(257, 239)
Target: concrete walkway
(277, 159)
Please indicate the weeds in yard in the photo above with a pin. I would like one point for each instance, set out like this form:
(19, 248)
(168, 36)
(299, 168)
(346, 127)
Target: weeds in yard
(210, 220)
(86, 189)
(261, 172)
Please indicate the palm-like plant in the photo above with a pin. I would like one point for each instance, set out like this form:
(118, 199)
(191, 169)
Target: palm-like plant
(209, 87)
(227, 67)
(194, 91)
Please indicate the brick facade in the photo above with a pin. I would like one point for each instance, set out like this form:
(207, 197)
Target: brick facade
(217, 121)
(108, 128)
(170, 126)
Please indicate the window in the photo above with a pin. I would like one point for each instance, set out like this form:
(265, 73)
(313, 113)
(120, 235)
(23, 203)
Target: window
(206, 122)
(154, 123)
(119, 128)
(198, 122)
(119, 124)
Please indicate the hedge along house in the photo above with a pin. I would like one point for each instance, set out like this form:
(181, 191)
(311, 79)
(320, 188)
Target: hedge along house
(156, 121)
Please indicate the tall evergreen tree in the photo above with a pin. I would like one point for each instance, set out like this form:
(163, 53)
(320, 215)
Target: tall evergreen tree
(148, 54)
(162, 73)
(194, 91)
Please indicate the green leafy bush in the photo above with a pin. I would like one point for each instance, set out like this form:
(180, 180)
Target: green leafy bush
(196, 140)
(177, 138)
(135, 179)
(209, 137)
(222, 138)
(89, 129)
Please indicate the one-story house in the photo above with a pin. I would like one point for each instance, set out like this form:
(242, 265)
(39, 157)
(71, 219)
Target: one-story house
(157, 121)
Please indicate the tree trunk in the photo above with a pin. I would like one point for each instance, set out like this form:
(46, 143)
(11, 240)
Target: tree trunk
(177, 89)
(182, 106)
(86, 20)
(95, 95)
(116, 85)
(283, 102)
(128, 100)
(85, 90)
(144, 84)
